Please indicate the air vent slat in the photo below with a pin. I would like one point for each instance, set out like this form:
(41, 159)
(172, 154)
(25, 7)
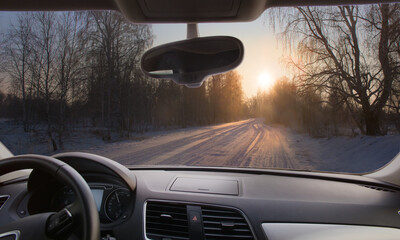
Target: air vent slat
(3, 200)
(166, 221)
(224, 224)
(222, 217)
(172, 206)
(227, 236)
(218, 211)
(161, 236)
(237, 224)
(166, 231)
(166, 212)
(158, 219)
(164, 224)
(221, 229)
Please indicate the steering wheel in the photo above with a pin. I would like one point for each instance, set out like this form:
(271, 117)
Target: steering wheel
(82, 213)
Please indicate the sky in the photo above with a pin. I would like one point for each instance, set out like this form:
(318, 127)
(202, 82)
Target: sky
(262, 60)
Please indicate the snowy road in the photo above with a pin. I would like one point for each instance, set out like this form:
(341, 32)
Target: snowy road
(248, 143)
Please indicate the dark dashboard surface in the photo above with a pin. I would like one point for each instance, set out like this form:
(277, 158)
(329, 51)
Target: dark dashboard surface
(254, 197)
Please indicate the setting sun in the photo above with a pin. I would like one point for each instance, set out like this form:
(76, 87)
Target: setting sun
(265, 81)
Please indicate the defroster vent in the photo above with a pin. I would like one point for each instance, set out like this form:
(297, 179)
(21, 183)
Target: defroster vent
(166, 221)
(224, 224)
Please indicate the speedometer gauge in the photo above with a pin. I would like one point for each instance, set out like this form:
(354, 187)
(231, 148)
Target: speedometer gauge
(117, 203)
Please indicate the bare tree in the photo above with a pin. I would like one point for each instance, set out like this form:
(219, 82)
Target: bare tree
(46, 46)
(337, 55)
(70, 50)
(16, 51)
(117, 46)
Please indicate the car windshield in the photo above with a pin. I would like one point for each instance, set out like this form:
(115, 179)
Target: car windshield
(318, 90)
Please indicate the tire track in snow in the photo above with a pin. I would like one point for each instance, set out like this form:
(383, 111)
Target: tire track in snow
(200, 154)
(146, 154)
(242, 144)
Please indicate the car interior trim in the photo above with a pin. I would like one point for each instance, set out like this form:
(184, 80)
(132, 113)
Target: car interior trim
(305, 231)
(3, 203)
(137, 10)
(6, 235)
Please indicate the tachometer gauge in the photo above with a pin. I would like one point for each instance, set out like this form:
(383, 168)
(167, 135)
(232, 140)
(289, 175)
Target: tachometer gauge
(117, 203)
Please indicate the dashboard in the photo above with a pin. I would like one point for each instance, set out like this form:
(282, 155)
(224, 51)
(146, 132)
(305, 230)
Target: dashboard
(215, 203)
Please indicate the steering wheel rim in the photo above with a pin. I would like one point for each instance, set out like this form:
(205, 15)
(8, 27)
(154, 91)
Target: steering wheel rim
(86, 211)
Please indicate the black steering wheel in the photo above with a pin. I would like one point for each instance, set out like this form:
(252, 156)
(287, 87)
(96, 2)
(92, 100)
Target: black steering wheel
(54, 225)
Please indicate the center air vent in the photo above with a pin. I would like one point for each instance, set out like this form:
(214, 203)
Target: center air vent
(3, 200)
(223, 223)
(166, 221)
(179, 221)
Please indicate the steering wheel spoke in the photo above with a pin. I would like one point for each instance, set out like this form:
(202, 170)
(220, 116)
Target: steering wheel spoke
(60, 224)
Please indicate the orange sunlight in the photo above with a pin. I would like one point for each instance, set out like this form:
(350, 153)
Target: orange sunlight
(265, 81)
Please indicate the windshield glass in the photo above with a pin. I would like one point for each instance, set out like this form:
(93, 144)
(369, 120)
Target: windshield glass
(318, 90)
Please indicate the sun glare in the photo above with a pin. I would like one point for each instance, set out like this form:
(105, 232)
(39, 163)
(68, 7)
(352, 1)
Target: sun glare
(265, 81)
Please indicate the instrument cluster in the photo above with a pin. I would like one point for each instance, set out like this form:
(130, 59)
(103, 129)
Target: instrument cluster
(113, 202)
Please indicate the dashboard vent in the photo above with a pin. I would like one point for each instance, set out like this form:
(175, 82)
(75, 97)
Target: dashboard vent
(166, 221)
(3, 200)
(222, 223)
(379, 188)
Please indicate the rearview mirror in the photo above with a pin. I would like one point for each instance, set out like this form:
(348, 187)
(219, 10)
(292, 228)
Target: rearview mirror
(189, 62)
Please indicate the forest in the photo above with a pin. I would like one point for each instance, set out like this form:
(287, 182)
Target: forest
(82, 69)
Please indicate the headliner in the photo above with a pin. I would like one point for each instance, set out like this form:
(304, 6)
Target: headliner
(175, 11)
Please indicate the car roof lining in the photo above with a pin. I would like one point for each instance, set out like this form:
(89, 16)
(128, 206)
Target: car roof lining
(58, 5)
(175, 11)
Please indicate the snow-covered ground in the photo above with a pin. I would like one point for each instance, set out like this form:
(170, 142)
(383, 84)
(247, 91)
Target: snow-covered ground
(12, 135)
(346, 154)
(248, 143)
